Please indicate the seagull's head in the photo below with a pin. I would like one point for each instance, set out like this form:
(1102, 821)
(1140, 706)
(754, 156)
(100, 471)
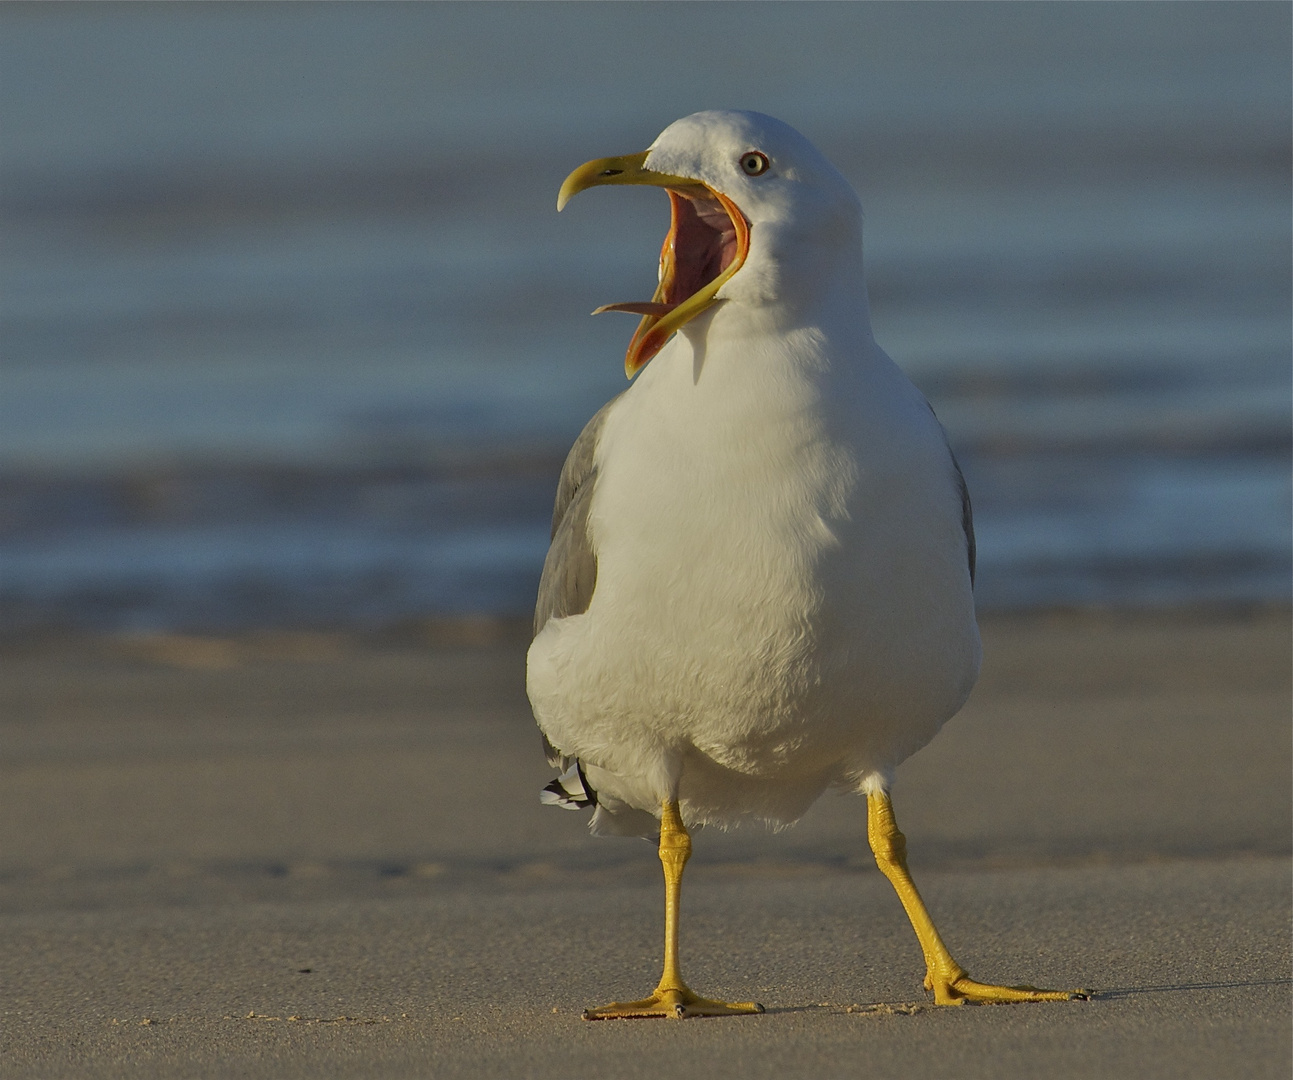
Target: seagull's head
(759, 216)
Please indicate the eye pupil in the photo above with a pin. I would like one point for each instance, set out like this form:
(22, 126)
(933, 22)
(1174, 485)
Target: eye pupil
(754, 163)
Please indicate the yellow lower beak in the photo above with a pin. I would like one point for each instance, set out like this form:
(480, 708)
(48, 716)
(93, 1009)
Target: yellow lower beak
(660, 318)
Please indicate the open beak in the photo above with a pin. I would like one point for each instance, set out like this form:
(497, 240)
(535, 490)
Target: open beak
(707, 243)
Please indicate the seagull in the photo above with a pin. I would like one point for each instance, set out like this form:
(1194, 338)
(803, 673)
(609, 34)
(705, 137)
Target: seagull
(760, 578)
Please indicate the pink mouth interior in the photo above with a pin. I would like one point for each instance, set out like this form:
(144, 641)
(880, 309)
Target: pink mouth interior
(704, 243)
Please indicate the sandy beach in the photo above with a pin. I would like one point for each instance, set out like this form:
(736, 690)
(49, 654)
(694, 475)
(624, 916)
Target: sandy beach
(323, 855)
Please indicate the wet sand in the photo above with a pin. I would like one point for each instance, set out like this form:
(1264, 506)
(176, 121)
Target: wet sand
(314, 855)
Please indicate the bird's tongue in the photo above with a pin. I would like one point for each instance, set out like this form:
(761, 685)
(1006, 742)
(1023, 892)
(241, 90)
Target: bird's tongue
(638, 307)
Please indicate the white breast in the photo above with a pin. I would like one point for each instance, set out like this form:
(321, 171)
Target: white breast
(782, 599)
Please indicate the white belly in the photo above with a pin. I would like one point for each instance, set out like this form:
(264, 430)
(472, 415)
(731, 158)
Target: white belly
(782, 596)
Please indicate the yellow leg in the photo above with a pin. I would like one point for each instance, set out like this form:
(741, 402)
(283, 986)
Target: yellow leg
(672, 996)
(943, 975)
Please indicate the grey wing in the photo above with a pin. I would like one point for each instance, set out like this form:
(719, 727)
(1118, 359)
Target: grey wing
(967, 514)
(570, 570)
(566, 587)
(967, 511)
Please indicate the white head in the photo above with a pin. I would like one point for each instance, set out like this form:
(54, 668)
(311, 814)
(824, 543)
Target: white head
(760, 217)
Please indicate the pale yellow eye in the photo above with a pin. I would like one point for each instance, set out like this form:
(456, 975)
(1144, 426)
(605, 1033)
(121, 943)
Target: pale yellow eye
(754, 163)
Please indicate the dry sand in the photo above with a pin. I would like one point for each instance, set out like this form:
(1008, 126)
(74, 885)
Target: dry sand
(314, 856)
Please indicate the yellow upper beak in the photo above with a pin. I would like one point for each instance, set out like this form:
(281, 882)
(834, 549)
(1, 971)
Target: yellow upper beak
(617, 170)
(660, 319)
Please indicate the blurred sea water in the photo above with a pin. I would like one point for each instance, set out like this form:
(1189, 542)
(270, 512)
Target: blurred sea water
(292, 335)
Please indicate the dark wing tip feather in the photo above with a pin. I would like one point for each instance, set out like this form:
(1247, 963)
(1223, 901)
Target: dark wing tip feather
(570, 790)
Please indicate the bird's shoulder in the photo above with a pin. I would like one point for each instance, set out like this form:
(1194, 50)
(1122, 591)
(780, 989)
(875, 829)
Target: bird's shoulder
(580, 466)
